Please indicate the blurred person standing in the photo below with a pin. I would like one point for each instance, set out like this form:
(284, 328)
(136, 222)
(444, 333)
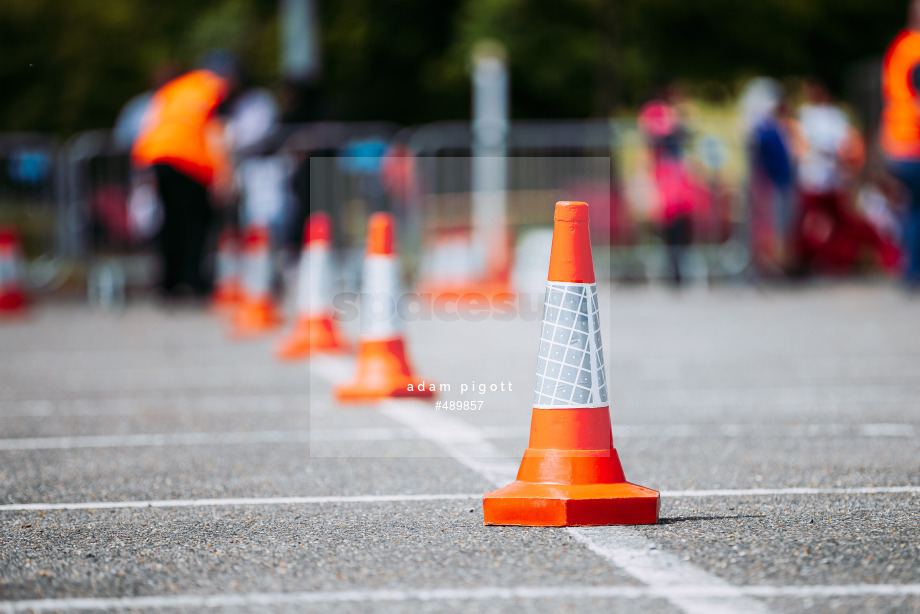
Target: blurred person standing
(261, 173)
(144, 212)
(182, 141)
(880, 201)
(130, 118)
(831, 147)
(253, 119)
(771, 139)
(666, 135)
(899, 132)
(831, 234)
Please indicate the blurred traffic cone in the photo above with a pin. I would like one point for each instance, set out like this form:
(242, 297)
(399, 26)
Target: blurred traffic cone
(454, 264)
(496, 277)
(227, 291)
(13, 299)
(314, 328)
(383, 369)
(571, 474)
(447, 263)
(257, 312)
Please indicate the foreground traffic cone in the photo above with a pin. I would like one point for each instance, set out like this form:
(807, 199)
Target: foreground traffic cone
(13, 299)
(383, 370)
(571, 474)
(227, 291)
(314, 328)
(257, 312)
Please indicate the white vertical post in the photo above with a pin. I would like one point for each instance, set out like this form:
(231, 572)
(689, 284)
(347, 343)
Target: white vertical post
(300, 59)
(490, 133)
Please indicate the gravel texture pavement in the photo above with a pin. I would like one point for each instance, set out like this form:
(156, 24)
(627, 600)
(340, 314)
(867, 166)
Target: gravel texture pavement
(733, 389)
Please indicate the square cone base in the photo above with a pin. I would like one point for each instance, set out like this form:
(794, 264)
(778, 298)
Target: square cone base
(383, 372)
(570, 505)
(226, 296)
(254, 318)
(311, 336)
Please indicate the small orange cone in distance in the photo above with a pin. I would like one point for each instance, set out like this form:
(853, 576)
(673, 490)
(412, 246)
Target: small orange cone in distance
(314, 328)
(570, 474)
(227, 291)
(13, 299)
(257, 312)
(383, 368)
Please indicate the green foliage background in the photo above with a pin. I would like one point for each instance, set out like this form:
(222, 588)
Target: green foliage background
(68, 65)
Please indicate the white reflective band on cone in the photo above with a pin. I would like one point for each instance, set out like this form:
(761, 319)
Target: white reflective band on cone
(570, 367)
(228, 265)
(257, 273)
(314, 281)
(9, 271)
(380, 291)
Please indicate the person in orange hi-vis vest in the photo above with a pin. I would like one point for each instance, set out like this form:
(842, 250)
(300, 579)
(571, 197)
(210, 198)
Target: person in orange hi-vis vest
(899, 131)
(181, 140)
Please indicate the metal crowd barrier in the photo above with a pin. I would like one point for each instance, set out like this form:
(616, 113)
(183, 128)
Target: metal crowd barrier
(96, 221)
(97, 228)
(30, 197)
(336, 169)
(70, 200)
(604, 163)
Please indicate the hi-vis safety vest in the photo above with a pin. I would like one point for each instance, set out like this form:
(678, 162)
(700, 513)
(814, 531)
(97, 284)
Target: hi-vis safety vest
(899, 133)
(179, 128)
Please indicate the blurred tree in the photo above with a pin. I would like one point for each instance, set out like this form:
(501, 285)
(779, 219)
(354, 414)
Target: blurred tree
(725, 40)
(553, 48)
(384, 59)
(578, 57)
(67, 66)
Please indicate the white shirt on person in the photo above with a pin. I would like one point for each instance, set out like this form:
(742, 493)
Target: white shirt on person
(825, 129)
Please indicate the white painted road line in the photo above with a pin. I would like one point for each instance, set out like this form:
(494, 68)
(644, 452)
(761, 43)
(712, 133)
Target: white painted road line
(242, 600)
(225, 438)
(761, 431)
(665, 574)
(153, 439)
(665, 494)
(623, 547)
(442, 433)
(488, 432)
(107, 505)
(139, 405)
(772, 492)
(840, 590)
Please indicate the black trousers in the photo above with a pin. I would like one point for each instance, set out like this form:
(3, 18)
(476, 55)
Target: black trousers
(186, 223)
(678, 234)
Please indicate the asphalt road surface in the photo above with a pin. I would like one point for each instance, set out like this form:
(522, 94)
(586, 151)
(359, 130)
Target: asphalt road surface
(149, 463)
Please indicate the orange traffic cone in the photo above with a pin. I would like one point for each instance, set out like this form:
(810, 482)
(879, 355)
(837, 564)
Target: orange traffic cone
(571, 474)
(257, 312)
(227, 291)
(13, 299)
(383, 370)
(314, 328)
